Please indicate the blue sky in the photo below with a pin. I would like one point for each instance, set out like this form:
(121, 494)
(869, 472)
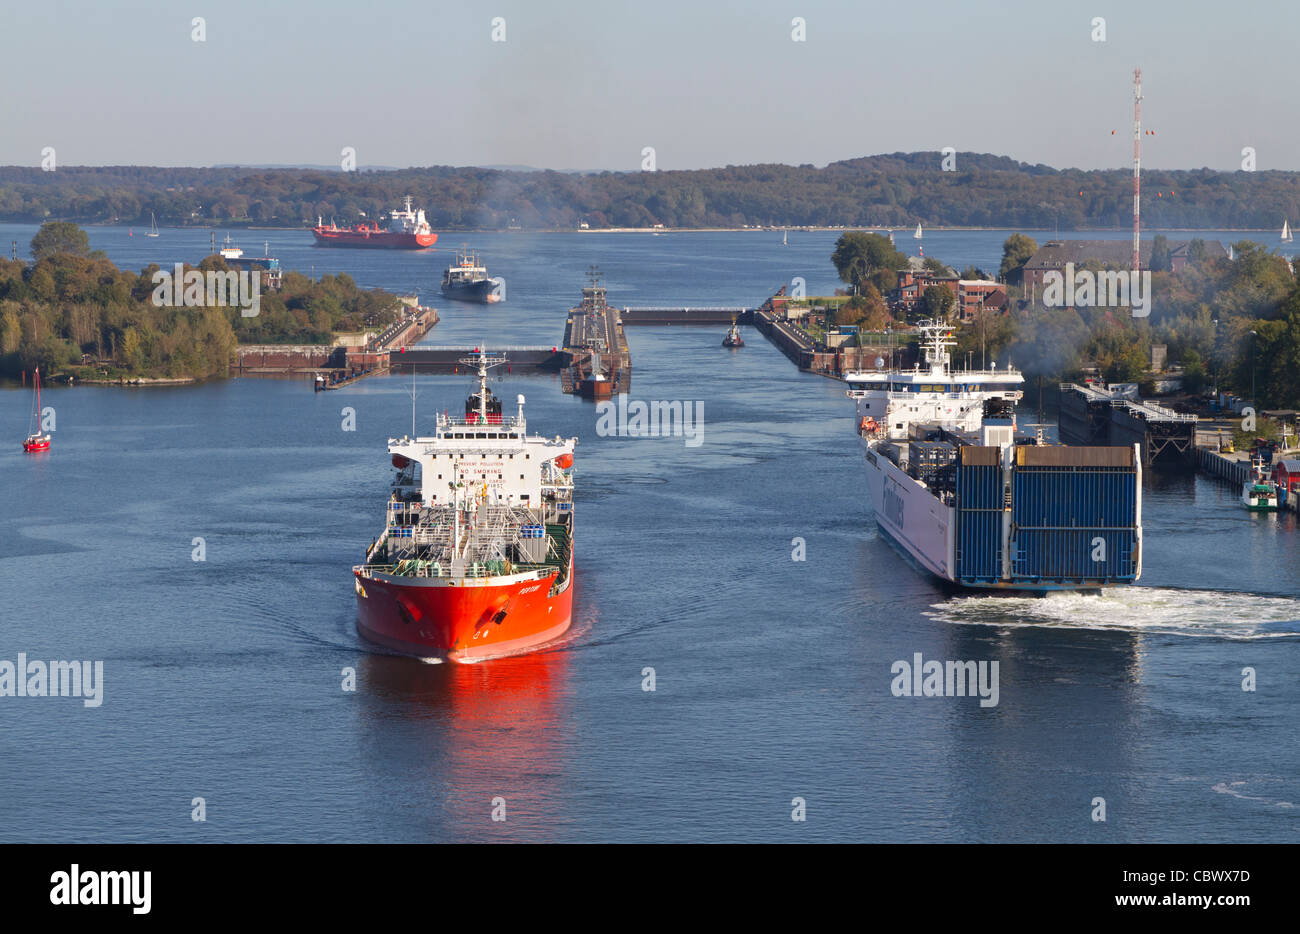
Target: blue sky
(588, 84)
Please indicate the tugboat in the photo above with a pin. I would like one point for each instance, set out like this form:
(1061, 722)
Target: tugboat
(467, 280)
(733, 338)
(37, 442)
(476, 558)
(1259, 494)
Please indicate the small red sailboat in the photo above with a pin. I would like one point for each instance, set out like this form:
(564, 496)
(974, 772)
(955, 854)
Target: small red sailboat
(37, 442)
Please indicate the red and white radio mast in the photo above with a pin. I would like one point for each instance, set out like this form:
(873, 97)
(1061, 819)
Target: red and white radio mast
(1137, 162)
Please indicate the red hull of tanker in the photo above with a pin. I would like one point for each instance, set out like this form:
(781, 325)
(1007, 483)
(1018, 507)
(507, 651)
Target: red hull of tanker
(378, 240)
(455, 621)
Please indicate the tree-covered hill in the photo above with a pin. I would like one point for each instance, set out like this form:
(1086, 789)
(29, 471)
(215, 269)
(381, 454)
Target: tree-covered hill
(900, 189)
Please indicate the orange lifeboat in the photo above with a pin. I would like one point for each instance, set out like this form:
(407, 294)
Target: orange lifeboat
(564, 461)
(400, 462)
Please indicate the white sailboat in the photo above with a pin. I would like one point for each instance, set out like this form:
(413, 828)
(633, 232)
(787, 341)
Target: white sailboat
(785, 238)
(153, 226)
(917, 235)
(1286, 232)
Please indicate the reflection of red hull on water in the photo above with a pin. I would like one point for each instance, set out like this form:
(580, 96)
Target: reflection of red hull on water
(462, 619)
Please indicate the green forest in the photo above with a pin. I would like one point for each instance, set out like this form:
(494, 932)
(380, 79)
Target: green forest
(896, 190)
(1231, 323)
(73, 312)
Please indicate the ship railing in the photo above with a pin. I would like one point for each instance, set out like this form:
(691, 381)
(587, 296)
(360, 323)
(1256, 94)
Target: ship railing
(421, 568)
(1155, 410)
(506, 421)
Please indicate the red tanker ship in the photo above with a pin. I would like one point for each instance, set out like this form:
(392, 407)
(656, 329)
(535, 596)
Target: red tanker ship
(476, 559)
(407, 230)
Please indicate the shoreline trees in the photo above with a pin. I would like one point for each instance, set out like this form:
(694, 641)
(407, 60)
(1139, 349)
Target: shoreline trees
(74, 311)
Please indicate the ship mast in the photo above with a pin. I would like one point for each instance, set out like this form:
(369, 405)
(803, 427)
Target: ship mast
(936, 332)
(455, 508)
(1137, 161)
(412, 402)
(483, 361)
(482, 384)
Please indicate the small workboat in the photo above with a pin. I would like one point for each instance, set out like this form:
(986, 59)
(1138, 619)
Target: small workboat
(733, 338)
(36, 441)
(1259, 494)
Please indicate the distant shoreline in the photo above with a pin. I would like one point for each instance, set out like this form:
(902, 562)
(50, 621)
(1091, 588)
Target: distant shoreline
(665, 230)
(138, 381)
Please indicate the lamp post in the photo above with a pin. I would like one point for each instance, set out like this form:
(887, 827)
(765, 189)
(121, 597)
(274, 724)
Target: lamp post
(1214, 358)
(1253, 335)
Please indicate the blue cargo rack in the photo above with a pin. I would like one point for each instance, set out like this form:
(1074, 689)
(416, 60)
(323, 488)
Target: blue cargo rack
(979, 515)
(1070, 517)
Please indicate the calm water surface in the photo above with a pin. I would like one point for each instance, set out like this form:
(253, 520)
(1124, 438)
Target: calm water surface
(223, 678)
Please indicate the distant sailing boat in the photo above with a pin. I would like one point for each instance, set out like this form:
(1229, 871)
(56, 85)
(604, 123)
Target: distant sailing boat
(1286, 232)
(917, 235)
(785, 238)
(36, 442)
(153, 226)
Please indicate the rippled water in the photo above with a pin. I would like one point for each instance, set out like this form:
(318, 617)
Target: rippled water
(223, 678)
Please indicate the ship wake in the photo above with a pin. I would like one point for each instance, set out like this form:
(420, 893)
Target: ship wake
(1152, 610)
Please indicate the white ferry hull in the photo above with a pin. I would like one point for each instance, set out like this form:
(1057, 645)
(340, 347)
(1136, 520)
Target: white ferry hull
(910, 515)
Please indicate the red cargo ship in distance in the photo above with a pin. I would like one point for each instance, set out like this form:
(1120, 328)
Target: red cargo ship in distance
(407, 230)
(476, 558)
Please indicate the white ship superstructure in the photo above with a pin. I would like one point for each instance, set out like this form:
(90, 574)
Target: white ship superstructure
(408, 221)
(931, 393)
